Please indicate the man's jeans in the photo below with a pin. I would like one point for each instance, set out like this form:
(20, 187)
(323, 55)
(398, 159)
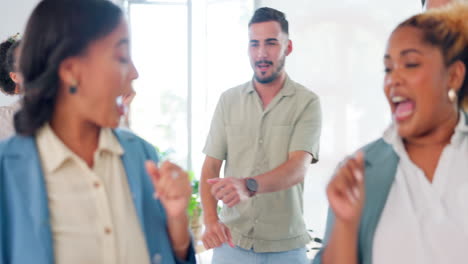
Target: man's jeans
(227, 255)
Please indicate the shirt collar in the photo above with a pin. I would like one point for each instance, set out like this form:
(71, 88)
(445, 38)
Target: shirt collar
(462, 125)
(58, 153)
(108, 142)
(392, 138)
(288, 88)
(461, 130)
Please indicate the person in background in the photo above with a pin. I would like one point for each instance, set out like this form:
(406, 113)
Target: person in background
(72, 188)
(402, 199)
(10, 83)
(268, 131)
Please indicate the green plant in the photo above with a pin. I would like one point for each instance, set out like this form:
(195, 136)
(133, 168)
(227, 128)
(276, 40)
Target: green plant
(194, 207)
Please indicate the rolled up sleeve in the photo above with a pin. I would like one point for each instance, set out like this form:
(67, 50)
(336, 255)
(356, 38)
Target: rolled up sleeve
(216, 145)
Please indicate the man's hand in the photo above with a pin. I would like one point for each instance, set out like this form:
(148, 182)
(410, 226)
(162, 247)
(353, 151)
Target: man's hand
(172, 187)
(229, 190)
(216, 234)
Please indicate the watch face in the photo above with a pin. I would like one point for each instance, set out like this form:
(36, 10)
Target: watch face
(252, 185)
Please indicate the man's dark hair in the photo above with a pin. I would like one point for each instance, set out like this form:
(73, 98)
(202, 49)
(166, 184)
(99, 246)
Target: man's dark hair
(265, 14)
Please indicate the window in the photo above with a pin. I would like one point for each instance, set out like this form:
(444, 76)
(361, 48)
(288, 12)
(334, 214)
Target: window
(160, 50)
(223, 54)
(187, 54)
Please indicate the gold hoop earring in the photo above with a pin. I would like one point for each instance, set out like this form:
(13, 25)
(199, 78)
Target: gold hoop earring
(452, 95)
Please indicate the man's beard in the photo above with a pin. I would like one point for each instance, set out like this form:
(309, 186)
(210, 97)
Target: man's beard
(274, 75)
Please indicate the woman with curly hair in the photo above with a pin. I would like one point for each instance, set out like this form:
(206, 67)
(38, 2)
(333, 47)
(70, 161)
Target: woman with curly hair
(403, 198)
(10, 83)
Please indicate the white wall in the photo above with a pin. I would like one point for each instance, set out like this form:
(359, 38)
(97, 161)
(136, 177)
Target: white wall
(13, 19)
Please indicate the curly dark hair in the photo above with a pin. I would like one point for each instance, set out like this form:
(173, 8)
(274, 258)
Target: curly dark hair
(56, 30)
(7, 65)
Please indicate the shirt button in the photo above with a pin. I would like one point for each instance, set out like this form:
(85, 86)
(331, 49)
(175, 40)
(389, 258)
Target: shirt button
(96, 185)
(256, 221)
(107, 230)
(260, 141)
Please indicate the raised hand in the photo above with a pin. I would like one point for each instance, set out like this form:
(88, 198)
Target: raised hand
(172, 187)
(346, 191)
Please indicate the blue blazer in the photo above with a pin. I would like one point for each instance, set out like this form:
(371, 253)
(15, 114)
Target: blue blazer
(25, 231)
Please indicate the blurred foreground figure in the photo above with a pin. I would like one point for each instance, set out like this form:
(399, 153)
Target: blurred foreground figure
(402, 199)
(72, 188)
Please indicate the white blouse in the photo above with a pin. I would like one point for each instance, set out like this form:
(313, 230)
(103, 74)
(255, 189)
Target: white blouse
(92, 214)
(424, 222)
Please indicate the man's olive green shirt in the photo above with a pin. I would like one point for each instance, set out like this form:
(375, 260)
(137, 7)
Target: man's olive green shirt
(253, 141)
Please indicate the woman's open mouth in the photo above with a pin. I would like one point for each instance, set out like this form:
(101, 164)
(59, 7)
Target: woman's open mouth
(404, 107)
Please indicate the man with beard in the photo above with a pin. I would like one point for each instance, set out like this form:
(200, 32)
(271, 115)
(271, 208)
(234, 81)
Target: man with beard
(268, 131)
